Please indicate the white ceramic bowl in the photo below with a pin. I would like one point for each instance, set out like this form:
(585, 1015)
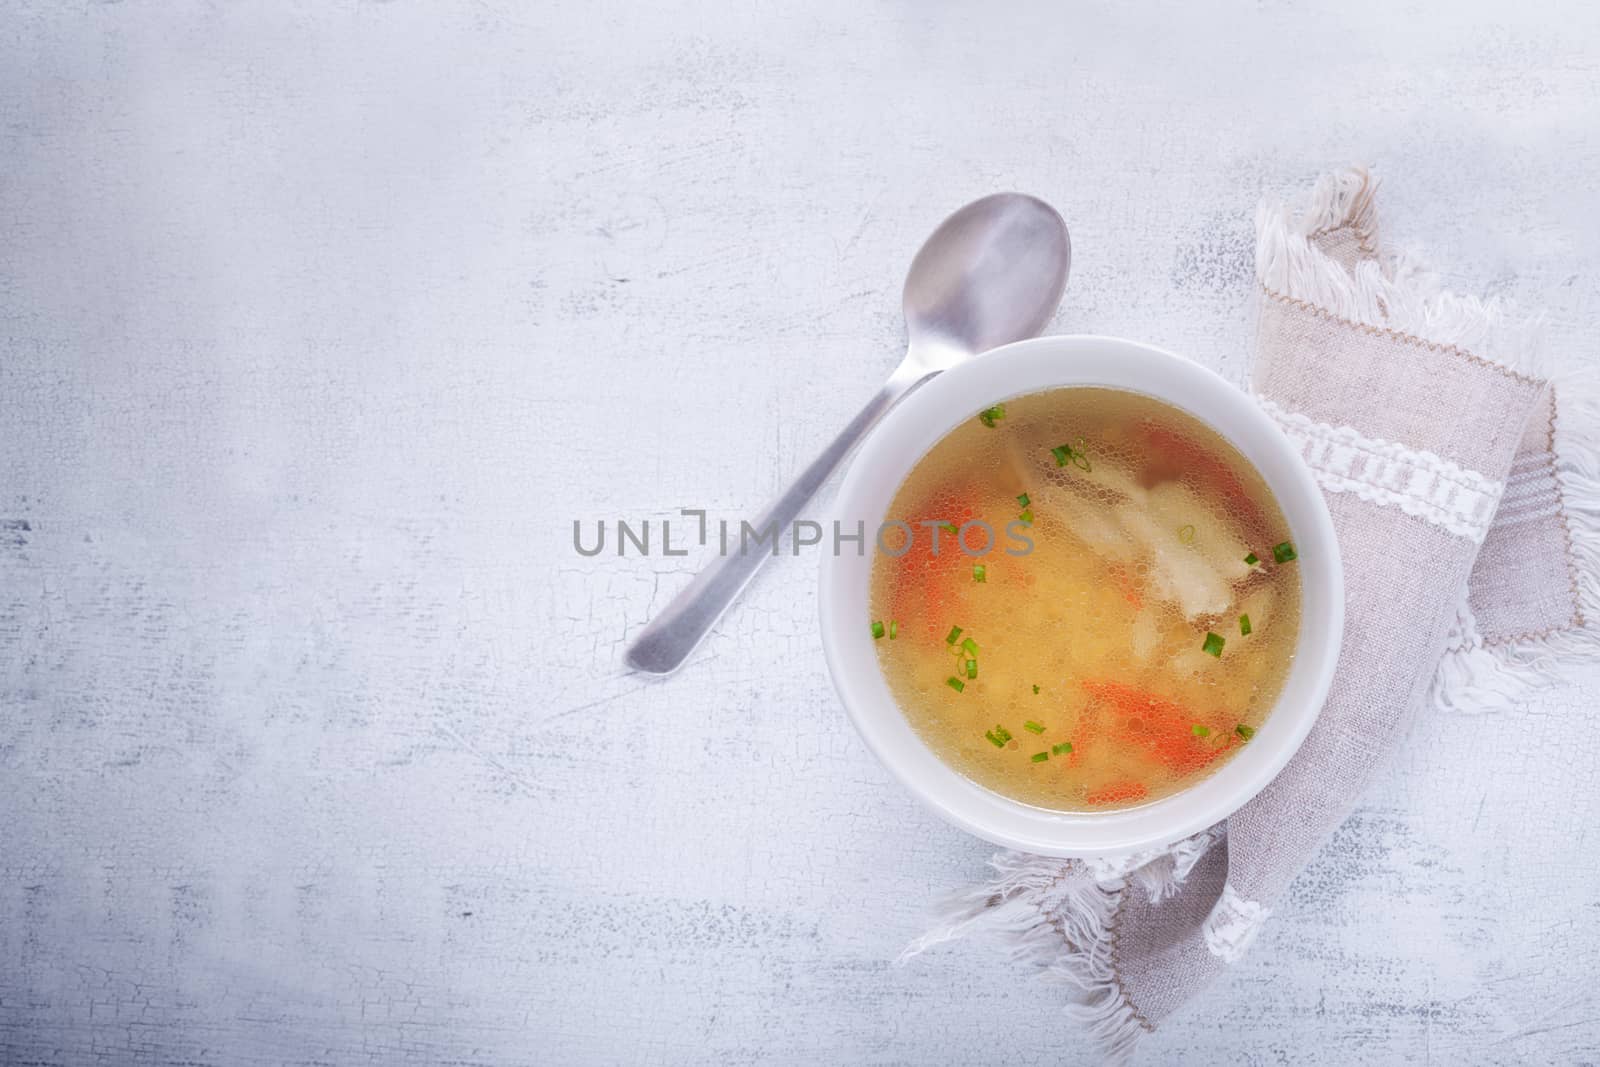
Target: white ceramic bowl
(930, 412)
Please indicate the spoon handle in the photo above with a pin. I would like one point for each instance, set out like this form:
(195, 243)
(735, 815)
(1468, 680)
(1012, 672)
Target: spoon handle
(667, 640)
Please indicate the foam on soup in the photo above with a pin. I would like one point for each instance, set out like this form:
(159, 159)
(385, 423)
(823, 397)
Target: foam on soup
(1135, 648)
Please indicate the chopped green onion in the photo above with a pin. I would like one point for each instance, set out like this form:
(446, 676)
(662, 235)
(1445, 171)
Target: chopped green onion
(1186, 533)
(995, 739)
(950, 528)
(970, 645)
(955, 633)
(1062, 749)
(1283, 553)
(979, 573)
(1200, 731)
(894, 629)
(877, 630)
(1213, 645)
(1023, 501)
(1244, 626)
(972, 668)
(955, 683)
(1035, 690)
(1033, 727)
(990, 416)
(1040, 757)
(1246, 732)
(1074, 453)
(1002, 732)
(1252, 559)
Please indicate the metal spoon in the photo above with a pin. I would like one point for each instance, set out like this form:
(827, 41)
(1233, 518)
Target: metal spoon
(992, 273)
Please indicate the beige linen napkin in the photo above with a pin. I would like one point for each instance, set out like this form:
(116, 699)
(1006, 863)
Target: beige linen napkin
(1467, 520)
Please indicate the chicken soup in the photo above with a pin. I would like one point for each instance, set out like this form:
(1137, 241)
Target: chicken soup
(1086, 599)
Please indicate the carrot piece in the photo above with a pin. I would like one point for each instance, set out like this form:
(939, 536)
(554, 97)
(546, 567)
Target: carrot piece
(923, 586)
(1162, 728)
(1131, 701)
(1185, 754)
(1118, 792)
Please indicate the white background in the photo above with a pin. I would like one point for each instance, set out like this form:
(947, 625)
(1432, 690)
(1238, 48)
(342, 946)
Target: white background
(321, 322)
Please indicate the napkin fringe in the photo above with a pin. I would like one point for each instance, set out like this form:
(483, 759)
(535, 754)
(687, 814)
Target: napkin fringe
(1060, 915)
(1343, 199)
(1056, 915)
(1476, 677)
(1379, 290)
(1471, 678)
(1577, 451)
(1160, 872)
(1577, 471)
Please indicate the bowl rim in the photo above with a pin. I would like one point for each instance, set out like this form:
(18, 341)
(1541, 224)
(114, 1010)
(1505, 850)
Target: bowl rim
(923, 418)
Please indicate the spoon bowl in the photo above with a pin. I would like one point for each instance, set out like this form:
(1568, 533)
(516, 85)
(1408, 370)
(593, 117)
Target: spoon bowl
(992, 273)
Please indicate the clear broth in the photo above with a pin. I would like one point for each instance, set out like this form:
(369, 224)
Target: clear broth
(1140, 530)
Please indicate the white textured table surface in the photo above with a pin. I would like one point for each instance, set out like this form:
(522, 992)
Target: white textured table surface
(320, 323)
